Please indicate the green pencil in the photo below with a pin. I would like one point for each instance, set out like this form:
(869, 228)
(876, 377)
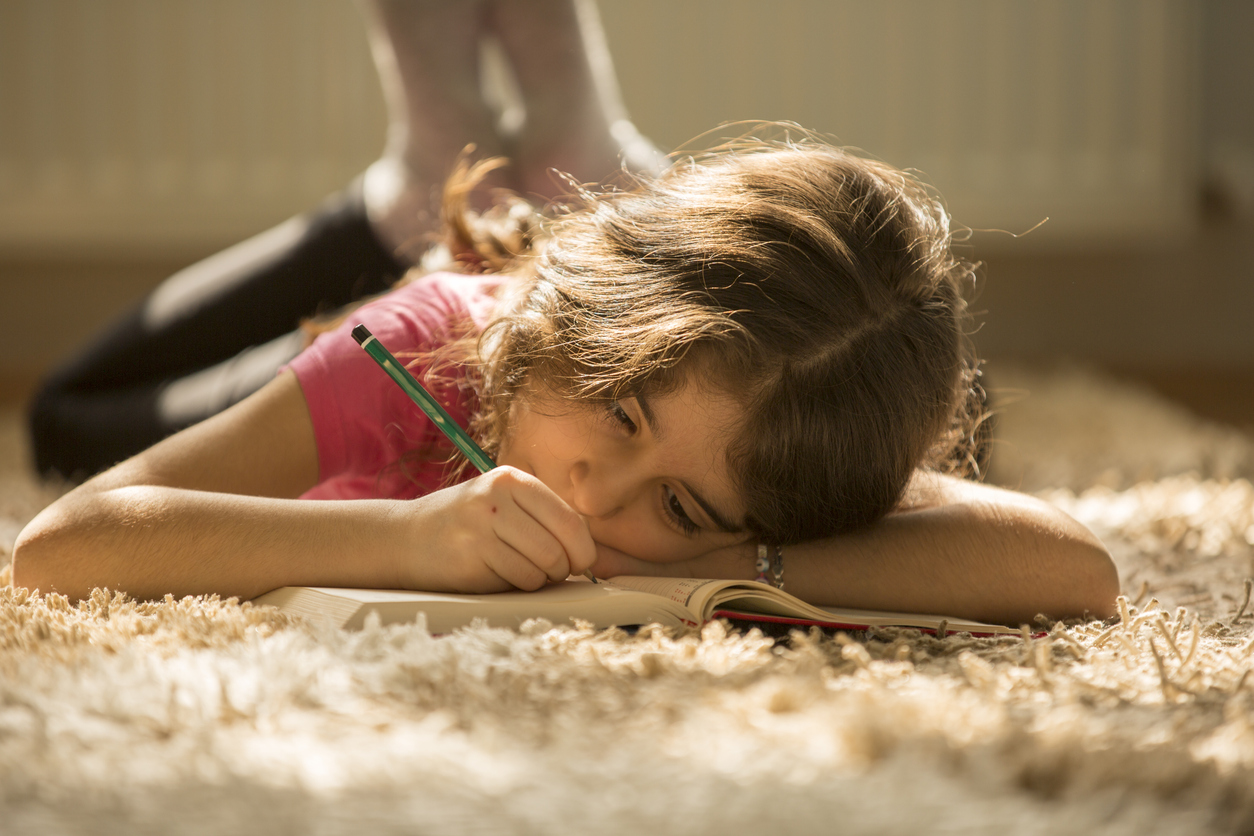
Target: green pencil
(429, 405)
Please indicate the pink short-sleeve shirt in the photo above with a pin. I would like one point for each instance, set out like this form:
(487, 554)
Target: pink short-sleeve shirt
(363, 422)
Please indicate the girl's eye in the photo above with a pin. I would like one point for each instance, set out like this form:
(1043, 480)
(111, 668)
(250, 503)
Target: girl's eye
(620, 416)
(675, 510)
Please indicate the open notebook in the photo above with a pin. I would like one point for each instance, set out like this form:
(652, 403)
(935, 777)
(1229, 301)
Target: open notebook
(622, 601)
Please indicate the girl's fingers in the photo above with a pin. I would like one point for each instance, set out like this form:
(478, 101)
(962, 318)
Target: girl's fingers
(733, 561)
(522, 533)
(611, 562)
(557, 518)
(515, 569)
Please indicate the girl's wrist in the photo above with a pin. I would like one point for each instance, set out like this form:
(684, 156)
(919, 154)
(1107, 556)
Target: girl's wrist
(769, 565)
(416, 546)
(735, 562)
(402, 561)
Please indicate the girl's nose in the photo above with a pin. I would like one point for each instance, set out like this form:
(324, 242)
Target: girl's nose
(599, 492)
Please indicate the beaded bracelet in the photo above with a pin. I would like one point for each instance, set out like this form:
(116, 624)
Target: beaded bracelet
(770, 563)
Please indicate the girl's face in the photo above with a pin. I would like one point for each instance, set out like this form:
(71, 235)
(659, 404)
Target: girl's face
(648, 474)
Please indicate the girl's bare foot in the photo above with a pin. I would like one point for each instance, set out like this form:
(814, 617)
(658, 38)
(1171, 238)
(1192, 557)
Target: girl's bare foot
(575, 121)
(530, 80)
(427, 54)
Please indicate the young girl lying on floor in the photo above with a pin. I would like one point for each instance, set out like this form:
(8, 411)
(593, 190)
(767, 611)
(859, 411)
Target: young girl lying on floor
(765, 345)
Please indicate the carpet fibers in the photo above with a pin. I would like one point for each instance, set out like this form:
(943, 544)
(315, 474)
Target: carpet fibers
(208, 716)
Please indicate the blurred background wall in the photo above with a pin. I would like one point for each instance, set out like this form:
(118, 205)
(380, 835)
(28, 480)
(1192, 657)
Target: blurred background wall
(137, 136)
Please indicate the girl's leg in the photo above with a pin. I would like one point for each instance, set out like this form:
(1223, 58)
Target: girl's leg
(80, 432)
(187, 351)
(104, 404)
(115, 398)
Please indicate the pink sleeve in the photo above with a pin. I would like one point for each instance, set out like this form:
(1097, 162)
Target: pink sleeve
(363, 422)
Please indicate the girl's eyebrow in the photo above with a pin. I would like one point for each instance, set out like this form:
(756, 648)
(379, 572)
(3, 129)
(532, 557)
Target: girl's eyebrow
(722, 522)
(650, 417)
(718, 519)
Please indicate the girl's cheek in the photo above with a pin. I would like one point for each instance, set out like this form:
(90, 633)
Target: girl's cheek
(648, 542)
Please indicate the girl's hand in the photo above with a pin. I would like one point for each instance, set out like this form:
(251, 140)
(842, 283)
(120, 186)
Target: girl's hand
(501, 530)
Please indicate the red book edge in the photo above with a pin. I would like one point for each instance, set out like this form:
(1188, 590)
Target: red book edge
(840, 625)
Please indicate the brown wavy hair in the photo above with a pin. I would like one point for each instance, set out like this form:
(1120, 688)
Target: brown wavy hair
(817, 287)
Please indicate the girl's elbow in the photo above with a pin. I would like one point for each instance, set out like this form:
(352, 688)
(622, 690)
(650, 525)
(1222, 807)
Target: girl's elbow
(33, 563)
(25, 561)
(1094, 580)
(1098, 581)
(1072, 563)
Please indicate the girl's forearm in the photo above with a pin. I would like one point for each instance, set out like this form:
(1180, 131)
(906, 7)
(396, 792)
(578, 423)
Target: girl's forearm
(1002, 564)
(970, 551)
(149, 541)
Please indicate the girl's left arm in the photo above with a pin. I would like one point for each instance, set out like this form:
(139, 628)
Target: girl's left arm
(957, 547)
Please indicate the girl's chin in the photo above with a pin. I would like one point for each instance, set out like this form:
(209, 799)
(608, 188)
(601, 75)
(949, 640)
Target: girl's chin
(605, 549)
(618, 552)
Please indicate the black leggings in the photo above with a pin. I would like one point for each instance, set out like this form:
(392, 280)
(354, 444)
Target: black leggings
(208, 337)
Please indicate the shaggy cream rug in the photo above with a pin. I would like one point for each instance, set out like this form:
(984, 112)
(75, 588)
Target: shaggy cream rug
(204, 716)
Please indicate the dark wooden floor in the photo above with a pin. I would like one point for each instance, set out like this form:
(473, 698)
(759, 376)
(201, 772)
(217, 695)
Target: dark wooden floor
(1224, 395)
(14, 388)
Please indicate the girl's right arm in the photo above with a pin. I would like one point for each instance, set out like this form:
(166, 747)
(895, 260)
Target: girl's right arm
(214, 509)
